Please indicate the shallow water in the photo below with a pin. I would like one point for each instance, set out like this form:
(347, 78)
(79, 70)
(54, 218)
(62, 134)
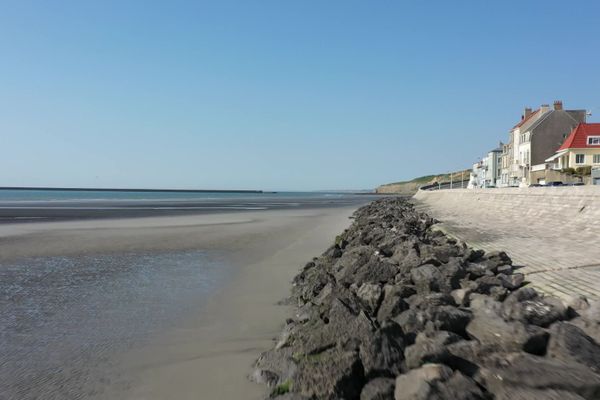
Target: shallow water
(64, 319)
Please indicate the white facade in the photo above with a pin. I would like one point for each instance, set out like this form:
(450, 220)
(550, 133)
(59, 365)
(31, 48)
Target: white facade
(487, 172)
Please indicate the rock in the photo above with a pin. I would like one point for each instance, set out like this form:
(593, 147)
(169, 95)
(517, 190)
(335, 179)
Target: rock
(290, 396)
(486, 283)
(490, 329)
(449, 318)
(329, 375)
(467, 354)
(498, 293)
(427, 278)
(520, 370)
(309, 283)
(431, 300)
(577, 303)
(429, 349)
(274, 367)
(417, 384)
(461, 296)
(265, 377)
(458, 387)
(350, 260)
(382, 353)
(537, 311)
(374, 271)
(378, 389)
(393, 302)
(370, 294)
(511, 282)
(505, 269)
(411, 322)
(569, 343)
(474, 255)
(339, 326)
(484, 304)
(452, 272)
(495, 259)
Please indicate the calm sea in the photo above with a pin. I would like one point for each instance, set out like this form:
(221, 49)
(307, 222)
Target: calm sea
(63, 318)
(103, 195)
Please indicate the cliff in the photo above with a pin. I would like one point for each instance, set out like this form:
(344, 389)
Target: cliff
(411, 187)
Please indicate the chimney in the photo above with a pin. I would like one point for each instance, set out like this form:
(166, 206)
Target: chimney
(558, 105)
(526, 113)
(544, 108)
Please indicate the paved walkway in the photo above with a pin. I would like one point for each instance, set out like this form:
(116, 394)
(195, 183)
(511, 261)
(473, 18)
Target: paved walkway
(558, 258)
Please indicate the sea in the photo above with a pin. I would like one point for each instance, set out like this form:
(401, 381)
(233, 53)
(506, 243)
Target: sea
(64, 317)
(27, 205)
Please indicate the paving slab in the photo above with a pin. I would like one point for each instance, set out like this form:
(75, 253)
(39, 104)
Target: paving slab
(560, 255)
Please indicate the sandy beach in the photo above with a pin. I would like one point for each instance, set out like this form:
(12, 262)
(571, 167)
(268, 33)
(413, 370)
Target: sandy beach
(208, 354)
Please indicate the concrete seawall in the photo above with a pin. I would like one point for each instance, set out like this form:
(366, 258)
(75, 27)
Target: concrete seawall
(554, 233)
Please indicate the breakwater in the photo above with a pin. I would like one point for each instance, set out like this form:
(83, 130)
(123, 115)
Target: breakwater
(397, 310)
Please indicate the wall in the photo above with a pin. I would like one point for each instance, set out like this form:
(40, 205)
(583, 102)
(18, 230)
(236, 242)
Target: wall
(572, 205)
(549, 135)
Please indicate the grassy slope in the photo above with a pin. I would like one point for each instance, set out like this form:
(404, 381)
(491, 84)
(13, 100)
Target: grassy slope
(413, 185)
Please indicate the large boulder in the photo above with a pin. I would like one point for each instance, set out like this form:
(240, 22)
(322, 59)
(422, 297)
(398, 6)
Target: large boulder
(393, 302)
(382, 352)
(520, 370)
(430, 349)
(540, 311)
(332, 374)
(370, 295)
(378, 389)
(427, 278)
(569, 343)
(418, 383)
(491, 330)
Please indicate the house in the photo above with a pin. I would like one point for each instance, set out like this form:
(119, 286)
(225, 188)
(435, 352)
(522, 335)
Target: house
(534, 139)
(580, 149)
(486, 173)
(477, 176)
(493, 164)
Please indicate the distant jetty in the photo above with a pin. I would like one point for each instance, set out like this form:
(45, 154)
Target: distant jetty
(72, 189)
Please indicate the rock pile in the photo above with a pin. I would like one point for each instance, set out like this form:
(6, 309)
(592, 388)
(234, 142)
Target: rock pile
(397, 310)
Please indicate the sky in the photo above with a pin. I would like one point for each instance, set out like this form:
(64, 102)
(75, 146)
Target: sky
(278, 95)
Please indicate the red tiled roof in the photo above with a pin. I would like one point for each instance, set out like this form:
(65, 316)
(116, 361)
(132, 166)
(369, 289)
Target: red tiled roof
(526, 119)
(577, 139)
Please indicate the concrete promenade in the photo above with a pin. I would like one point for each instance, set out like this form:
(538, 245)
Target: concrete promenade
(553, 233)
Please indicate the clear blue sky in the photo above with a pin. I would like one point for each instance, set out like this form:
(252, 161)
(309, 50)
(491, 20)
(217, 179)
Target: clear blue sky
(278, 94)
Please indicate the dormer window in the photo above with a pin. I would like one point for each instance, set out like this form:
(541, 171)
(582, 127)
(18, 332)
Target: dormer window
(593, 140)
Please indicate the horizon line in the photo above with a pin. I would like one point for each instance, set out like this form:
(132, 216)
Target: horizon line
(130, 189)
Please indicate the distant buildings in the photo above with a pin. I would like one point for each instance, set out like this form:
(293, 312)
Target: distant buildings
(486, 173)
(530, 155)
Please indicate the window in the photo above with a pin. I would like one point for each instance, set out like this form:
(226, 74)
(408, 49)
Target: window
(596, 158)
(579, 158)
(594, 140)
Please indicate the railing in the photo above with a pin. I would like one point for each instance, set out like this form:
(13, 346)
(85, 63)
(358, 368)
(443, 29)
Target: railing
(446, 185)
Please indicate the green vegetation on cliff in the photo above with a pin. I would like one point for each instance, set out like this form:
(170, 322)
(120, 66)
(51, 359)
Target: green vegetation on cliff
(410, 187)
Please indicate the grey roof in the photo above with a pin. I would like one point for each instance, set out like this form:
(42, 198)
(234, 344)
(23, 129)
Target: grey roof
(538, 121)
(546, 115)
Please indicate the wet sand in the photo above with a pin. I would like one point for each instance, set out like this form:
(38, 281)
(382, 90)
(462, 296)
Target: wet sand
(208, 354)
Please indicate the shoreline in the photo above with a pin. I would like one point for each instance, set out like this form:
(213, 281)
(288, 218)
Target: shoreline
(212, 351)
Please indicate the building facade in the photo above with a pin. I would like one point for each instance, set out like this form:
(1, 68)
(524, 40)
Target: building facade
(580, 149)
(534, 139)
